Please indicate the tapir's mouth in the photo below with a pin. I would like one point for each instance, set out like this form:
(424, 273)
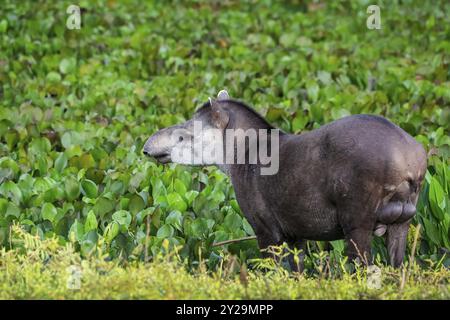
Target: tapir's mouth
(161, 158)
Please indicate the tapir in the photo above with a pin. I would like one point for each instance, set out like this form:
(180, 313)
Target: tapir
(350, 179)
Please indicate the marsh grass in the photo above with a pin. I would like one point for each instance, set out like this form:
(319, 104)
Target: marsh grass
(38, 269)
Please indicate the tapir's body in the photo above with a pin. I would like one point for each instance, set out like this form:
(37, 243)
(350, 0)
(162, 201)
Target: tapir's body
(335, 181)
(348, 179)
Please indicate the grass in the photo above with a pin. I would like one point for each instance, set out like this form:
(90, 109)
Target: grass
(42, 270)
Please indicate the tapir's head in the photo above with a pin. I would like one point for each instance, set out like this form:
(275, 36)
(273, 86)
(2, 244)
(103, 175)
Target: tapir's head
(222, 132)
(178, 144)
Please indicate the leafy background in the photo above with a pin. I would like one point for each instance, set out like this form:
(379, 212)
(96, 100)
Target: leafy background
(76, 107)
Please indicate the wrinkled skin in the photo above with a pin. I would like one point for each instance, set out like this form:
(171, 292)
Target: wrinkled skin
(349, 179)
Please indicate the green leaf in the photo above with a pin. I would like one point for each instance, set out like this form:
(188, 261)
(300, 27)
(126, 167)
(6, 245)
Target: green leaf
(67, 65)
(143, 214)
(122, 217)
(157, 188)
(40, 146)
(61, 162)
(53, 77)
(3, 206)
(89, 188)
(103, 206)
(199, 228)
(273, 114)
(221, 236)
(233, 221)
(72, 188)
(190, 197)
(12, 210)
(179, 186)
(11, 165)
(313, 91)
(111, 231)
(10, 190)
(86, 161)
(175, 219)
(91, 222)
(166, 231)
(176, 202)
(288, 39)
(299, 122)
(76, 231)
(49, 212)
(66, 140)
(136, 204)
(87, 247)
(432, 231)
(234, 204)
(338, 245)
(3, 26)
(156, 217)
(247, 227)
(436, 197)
(324, 77)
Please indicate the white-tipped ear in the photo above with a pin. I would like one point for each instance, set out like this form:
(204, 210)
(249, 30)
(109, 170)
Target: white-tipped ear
(223, 95)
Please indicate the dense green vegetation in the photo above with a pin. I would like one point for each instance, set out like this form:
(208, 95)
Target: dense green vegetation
(76, 107)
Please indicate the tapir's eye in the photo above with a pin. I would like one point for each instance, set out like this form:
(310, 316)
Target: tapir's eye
(180, 138)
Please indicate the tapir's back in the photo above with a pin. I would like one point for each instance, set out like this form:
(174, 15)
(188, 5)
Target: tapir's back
(376, 143)
(368, 141)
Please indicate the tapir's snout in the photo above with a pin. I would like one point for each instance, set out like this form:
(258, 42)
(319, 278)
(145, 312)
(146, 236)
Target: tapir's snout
(159, 146)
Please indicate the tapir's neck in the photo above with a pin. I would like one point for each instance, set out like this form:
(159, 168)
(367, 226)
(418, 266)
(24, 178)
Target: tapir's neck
(247, 125)
(265, 157)
(241, 118)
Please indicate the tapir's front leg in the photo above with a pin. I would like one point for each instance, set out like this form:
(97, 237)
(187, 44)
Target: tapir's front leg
(266, 235)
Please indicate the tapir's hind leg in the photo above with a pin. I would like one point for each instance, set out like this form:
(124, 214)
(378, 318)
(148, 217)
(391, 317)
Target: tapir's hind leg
(396, 242)
(358, 221)
(397, 215)
(359, 242)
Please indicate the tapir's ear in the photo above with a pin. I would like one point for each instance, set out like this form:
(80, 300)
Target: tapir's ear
(219, 115)
(223, 95)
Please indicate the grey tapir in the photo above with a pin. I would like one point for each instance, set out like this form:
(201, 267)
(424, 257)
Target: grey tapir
(349, 179)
